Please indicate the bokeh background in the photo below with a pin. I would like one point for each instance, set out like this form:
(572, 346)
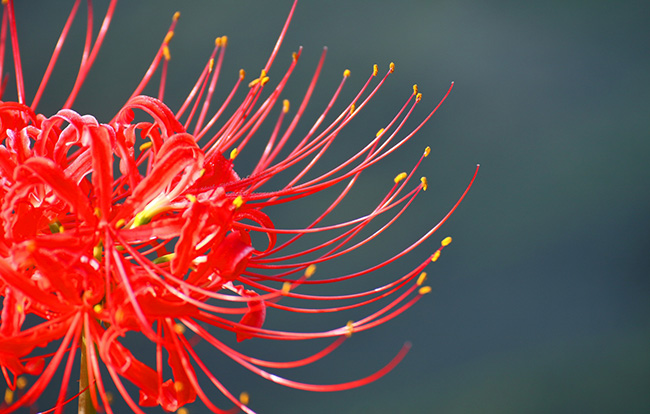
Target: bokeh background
(541, 304)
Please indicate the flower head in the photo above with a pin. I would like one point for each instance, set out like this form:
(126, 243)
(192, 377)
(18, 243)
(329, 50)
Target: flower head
(145, 227)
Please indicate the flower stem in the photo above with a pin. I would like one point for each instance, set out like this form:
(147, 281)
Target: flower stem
(85, 402)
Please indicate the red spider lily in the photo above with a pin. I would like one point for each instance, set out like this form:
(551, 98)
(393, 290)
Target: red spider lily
(163, 244)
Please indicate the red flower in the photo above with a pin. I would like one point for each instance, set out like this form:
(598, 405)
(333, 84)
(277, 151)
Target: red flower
(161, 244)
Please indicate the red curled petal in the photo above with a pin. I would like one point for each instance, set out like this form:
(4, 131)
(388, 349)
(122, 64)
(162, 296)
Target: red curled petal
(102, 162)
(254, 317)
(38, 170)
(178, 153)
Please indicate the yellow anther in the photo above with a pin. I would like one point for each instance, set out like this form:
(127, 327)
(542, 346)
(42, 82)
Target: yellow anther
(210, 64)
(234, 153)
(435, 256)
(346, 73)
(427, 151)
(168, 37)
(183, 410)
(381, 131)
(253, 82)
(422, 278)
(399, 177)
(21, 383)
(166, 54)
(415, 89)
(352, 108)
(119, 315)
(97, 212)
(350, 326)
(238, 202)
(424, 290)
(5, 2)
(285, 106)
(244, 398)
(224, 41)
(242, 74)
(418, 97)
(98, 251)
(176, 16)
(262, 73)
(120, 223)
(146, 145)
(98, 308)
(309, 272)
(391, 67)
(201, 172)
(179, 328)
(446, 241)
(425, 183)
(141, 219)
(217, 42)
(294, 56)
(164, 258)
(191, 198)
(375, 70)
(20, 308)
(9, 396)
(264, 80)
(286, 287)
(178, 386)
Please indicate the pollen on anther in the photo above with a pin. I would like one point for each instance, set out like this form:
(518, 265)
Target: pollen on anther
(375, 70)
(422, 278)
(120, 223)
(9, 396)
(352, 108)
(415, 89)
(399, 177)
(238, 202)
(435, 256)
(427, 151)
(21, 382)
(424, 290)
(264, 80)
(210, 64)
(146, 145)
(392, 67)
(350, 327)
(224, 41)
(285, 106)
(286, 288)
(179, 328)
(168, 37)
(294, 56)
(244, 398)
(183, 410)
(242, 74)
(446, 241)
(234, 153)
(425, 183)
(418, 97)
(98, 308)
(166, 53)
(346, 73)
(191, 198)
(177, 15)
(309, 272)
(381, 131)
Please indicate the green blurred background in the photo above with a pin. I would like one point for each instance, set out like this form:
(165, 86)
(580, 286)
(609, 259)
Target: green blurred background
(541, 304)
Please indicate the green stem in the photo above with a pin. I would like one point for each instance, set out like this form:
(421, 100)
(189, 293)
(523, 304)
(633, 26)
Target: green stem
(85, 402)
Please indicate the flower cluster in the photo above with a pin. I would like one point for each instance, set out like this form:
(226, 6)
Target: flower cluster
(145, 226)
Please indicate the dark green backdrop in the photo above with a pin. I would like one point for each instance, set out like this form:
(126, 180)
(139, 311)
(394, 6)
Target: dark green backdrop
(541, 303)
